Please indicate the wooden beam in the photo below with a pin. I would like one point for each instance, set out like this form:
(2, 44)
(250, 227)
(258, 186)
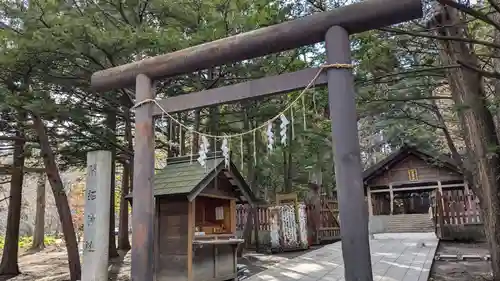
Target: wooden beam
(355, 18)
(422, 188)
(266, 86)
(215, 196)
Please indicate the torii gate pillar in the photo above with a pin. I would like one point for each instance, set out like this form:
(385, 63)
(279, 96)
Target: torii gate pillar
(346, 152)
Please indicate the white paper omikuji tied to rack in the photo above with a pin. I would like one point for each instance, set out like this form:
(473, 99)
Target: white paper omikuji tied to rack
(283, 127)
(270, 137)
(225, 152)
(204, 145)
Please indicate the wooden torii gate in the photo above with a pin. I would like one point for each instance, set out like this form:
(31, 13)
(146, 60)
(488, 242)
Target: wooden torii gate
(334, 28)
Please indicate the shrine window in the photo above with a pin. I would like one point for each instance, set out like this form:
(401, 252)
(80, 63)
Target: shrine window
(214, 216)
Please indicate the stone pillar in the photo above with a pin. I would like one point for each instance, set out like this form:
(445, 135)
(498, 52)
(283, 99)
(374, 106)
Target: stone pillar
(96, 228)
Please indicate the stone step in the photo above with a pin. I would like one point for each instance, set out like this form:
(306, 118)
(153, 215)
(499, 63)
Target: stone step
(409, 224)
(402, 223)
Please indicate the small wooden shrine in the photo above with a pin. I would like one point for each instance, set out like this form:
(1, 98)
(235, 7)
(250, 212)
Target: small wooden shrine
(196, 219)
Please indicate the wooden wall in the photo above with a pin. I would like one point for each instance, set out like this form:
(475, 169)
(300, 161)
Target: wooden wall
(172, 242)
(214, 262)
(425, 171)
(221, 187)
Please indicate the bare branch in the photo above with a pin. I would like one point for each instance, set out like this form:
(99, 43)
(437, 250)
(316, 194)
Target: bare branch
(475, 13)
(438, 37)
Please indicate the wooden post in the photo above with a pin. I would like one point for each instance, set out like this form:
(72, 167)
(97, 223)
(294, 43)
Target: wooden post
(369, 201)
(391, 193)
(348, 169)
(190, 235)
(440, 190)
(440, 214)
(468, 194)
(142, 213)
(156, 248)
(96, 228)
(256, 225)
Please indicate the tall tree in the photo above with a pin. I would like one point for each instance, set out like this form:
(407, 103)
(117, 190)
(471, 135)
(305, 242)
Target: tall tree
(60, 198)
(467, 88)
(9, 265)
(123, 228)
(39, 233)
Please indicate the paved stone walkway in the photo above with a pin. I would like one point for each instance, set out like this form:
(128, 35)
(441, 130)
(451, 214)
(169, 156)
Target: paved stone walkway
(395, 257)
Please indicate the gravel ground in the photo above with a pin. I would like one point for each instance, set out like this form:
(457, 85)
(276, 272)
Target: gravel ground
(461, 270)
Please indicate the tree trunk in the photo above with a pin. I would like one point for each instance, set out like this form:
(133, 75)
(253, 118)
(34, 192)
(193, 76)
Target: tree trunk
(477, 123)
(196, 138)
(247, 232)
(214, 127)
(251, 175)
(60, 199)
(170, 138)
(289, 182)
(496, 64)
(213, 111)
(123, 233)
(9, 265)
(111, 126)
(39, 235)
(313, 203)
(286, 187)
(182, 135)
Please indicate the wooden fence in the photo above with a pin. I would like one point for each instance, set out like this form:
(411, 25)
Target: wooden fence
(329, 228)
(263, 214)
(457, 216)
(329, 222)
(455, 207)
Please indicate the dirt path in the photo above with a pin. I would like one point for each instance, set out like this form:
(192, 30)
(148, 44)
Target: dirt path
(51, 264)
